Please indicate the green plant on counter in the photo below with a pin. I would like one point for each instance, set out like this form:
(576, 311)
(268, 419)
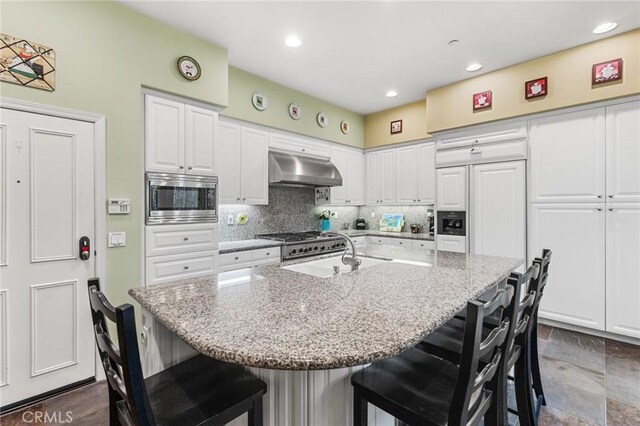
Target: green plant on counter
(327, 215)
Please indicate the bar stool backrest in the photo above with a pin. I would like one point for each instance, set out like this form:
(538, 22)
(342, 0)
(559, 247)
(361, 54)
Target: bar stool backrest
(122, 363)
(523, 309)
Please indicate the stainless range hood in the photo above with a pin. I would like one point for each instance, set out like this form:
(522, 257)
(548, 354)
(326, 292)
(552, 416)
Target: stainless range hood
(298, 170)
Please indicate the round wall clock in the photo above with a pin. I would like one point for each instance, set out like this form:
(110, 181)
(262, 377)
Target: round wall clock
(345, 127)
(189, 68)
(259, 101)
(295, 111)
(322, 119)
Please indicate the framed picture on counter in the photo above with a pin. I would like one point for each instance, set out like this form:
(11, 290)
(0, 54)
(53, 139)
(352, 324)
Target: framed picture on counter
(396, 127)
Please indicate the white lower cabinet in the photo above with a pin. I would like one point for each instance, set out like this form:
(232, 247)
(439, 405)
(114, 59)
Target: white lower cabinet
(575, 233)
(173, 239)
(249, 258)
(423, 244)
(623, 269)
(172, 267)
(454, 243)
(400, 242)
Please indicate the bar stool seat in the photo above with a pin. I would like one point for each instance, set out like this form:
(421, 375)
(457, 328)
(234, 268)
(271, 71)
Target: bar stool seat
(424, 383)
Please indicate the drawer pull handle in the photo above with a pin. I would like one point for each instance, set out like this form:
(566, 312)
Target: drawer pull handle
(186, 238)
(186, 267)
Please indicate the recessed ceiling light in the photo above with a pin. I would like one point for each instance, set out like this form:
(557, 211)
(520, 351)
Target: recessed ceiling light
(474, 67)
(392, 94)
(293, 41)
(606, 27)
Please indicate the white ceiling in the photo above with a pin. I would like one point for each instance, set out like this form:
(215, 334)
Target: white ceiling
(353, 52)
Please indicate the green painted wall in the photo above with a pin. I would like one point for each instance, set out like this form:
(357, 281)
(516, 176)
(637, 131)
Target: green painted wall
(105, 52)
(242, 85)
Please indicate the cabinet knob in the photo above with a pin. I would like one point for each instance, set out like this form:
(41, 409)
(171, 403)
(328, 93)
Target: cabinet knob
(181, 167)
(238, 199)
(610, 209)
(186, 266)
(236, 258)
(414, 201)
(244, 199)
(599, 196)
(268, 253)
(186, 238)
(303, 150)
(611, 196)
(599, 209)
(190, 168)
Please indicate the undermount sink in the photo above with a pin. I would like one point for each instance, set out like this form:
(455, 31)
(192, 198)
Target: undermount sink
(324, 268)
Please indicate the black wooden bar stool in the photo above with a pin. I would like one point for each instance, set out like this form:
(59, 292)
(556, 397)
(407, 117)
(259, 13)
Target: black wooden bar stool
(418, 388)
(544, 262)
(198, 391)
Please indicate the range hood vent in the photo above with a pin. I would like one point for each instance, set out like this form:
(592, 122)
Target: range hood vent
(298, 170)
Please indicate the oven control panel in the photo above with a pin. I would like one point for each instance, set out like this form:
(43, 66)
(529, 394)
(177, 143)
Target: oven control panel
(311, 248)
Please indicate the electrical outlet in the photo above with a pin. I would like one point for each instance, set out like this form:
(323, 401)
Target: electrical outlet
(373, 214)
(230, 219)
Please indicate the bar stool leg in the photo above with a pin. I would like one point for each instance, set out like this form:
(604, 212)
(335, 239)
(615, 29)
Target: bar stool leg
(535, 364)
(360, 413)
(524, 389)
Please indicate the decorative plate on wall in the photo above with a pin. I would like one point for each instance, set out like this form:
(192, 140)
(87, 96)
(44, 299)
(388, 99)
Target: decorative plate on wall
(259, 101)
(189, 68)
(345, 127)
(295, 111)
(322, 119)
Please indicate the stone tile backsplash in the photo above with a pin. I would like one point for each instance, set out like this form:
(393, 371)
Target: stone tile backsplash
(293, 209)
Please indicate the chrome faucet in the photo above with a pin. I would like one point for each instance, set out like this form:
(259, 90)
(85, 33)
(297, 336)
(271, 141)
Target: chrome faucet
(352, 260)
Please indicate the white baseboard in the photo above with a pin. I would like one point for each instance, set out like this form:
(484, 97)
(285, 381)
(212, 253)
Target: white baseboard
(597, 333)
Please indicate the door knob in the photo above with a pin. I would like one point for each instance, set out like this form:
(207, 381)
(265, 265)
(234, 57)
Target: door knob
(85, 248)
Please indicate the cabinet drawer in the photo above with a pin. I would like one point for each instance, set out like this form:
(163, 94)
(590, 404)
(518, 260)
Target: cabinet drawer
(161, 240)
(268, 261)
(266, 253)
(180, 266)
(234, 267)
(359, 241)
(235, 258)
(423, 244)
(299, 146)
(490, 134)
(482, 153)
(400, 242)
(389, 241)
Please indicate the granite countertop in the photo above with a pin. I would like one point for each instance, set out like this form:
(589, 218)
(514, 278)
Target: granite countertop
(242, 245)
(373, 232)
(270, 317)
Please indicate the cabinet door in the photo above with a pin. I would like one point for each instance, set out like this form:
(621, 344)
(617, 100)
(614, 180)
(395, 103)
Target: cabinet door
(623, 269)
(407, 175)
(454, 243)
(498, 220)
(355, 191)
(623, 152)
(387, 177)
(372, 165)
(452, 188)
(340, 159)
(201, 129)
(254, 165)
(227, 149)
(427, 173)
(568, 157)
(164, 135)
(576, 288)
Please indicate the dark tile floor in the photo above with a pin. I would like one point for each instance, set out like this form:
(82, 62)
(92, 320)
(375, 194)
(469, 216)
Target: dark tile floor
(587, 381)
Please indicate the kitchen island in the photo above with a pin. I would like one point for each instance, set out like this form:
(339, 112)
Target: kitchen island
(305, 335)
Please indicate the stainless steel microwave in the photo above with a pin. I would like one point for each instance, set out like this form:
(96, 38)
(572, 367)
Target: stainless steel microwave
(174, 198)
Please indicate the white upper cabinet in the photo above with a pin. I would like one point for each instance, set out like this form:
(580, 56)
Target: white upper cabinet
(242, 164)
(567, 157)
(575, 233)
(407, 175)
(355, 191)
(228, 162)
(164, 135)
(299, 145)
(372, 166)
(452, 188)
(179, 138)
(387, 176)
(350, 164)
(623, 268)
(254, 166)
(427, 173)
(623, 152)
(340, 159)
(200, 136)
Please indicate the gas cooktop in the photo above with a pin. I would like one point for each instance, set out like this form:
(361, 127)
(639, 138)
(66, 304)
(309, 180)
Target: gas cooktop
(307, 243)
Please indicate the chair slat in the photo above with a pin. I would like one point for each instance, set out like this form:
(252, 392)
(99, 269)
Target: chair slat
(495, 338)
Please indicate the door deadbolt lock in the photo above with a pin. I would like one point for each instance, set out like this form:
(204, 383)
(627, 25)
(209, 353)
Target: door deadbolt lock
(85, 248)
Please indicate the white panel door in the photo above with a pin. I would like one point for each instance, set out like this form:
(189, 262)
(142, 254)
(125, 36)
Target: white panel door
(372, 184)
(387, 176)
(407, 175)
(355, 191)
(340, 159)
(568, 157)
(227, 149)
(498, 200)
(576, 234)
(46, 323)
(452, 188)
(200, 137)
(623, 152)
(164, 135)
(3, 197)
(623, 268)
(427, 173)
(454, 243)
(254, 166)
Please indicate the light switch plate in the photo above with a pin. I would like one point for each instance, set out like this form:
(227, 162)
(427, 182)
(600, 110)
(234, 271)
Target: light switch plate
(117, 239)
(230, 219)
